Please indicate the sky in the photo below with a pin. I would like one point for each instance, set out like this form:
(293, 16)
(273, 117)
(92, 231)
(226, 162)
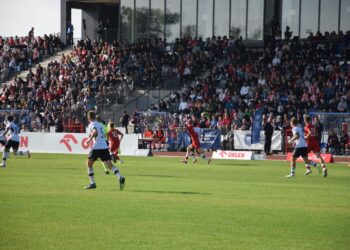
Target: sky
(18, 16)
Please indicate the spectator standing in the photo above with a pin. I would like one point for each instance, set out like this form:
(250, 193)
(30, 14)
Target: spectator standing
(70, 33)
(124, 120)
(31, 33)
(59, 125)
(332, 143)
(268, 130)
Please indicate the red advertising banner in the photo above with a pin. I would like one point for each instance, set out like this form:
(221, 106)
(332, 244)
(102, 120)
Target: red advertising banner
(328, 158)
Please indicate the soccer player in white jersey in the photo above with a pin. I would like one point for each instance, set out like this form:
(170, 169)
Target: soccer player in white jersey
(99, 150)
(12, 142)
(300, 148)
(2, 136)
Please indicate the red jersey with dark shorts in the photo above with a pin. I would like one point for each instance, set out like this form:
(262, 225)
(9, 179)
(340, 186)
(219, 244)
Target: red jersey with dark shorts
(194, 137)
(312, 142)
(113, 138)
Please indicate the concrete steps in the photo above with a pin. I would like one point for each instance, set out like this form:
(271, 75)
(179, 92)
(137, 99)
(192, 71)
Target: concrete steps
(44, 64)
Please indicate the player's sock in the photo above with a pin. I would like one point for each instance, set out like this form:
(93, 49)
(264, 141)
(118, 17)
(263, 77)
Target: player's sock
(5, 155)
(323, 165)
(91, 175)
(4, 158)
(292, 170)
(116, 171)
(193, 157)
(314, 164)
(23, 153)
(105, 167)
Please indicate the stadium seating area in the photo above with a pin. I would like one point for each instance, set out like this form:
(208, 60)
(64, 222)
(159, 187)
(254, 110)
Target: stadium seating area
(20, 53)
(287, 77)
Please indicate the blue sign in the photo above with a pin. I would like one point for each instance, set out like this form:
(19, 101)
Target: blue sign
(257, 125)
(208, 138)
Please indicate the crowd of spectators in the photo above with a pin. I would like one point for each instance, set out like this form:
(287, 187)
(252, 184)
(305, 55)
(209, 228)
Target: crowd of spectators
(93, 76)
(289, 77)
(20, 53)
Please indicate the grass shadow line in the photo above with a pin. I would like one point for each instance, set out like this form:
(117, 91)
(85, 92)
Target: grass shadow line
(168, 192)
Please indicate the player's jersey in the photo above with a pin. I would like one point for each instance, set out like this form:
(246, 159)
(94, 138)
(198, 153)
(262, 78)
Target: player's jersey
(14, 131)
(100, 139)
(104, 127)
(299, 143)
(312, 139)
(191, 131)
(113, 136)
(2, 136)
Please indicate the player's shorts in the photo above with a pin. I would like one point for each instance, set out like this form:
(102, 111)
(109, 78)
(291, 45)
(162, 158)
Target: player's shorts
(300, 152)
(103, 154)
(196, 144)
(114, 147)
(314, 148)
(12, 144)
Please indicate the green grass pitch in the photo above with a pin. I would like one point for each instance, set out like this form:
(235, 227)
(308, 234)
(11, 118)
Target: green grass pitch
(169, 205)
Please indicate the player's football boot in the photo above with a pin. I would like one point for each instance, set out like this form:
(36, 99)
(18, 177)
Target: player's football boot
(308, 172)
(3, 165)
(121, 161)
(121, 182)
(194, 160)
(184, 161)
(325, 172)
(106, 172)
(91, 186)
(28, 153)
(289, 175)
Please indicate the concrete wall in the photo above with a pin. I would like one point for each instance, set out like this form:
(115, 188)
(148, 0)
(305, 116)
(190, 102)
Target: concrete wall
(63, 20)
(91, 15)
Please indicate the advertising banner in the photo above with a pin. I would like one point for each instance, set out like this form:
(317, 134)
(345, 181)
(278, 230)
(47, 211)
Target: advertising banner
(243, 140)
(257, 125)
(69, 143)
(328, 158)
(209, 138)
(232, 155)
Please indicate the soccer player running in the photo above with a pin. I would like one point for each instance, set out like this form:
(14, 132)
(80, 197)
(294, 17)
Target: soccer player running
(99, 150)
(313, 144)
(300, 148)
(114, 142)
(104, 128)
(195, 144)
(12, 142)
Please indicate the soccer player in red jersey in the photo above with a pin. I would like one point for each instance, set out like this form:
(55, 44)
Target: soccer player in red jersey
(114, 141)
(312, 142)
(195, 145)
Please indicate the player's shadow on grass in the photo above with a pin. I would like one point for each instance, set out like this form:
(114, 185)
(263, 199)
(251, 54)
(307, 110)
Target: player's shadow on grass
(157, 176)
(168, 192)
(230, 163)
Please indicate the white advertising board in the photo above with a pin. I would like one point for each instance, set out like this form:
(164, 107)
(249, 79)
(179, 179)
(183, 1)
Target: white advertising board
(69, 143)
(232, 155)
(242, 140)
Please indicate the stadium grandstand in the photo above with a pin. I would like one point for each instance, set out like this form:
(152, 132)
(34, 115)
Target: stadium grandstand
(242, 84)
